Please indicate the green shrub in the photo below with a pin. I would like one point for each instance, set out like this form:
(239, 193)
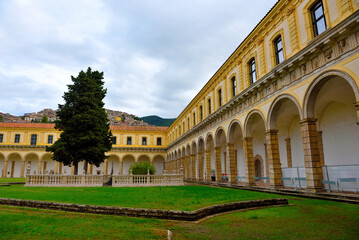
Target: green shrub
(141, 168)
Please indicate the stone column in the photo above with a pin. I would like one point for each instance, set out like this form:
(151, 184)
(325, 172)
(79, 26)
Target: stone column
(320, 147)
(193, 166)
(22, 170)
(56, 170)
(313, 168)
(5, 169)
(289, 152)
(232, 163)
(275, 170)
(188, 158)
(183, 166)
(266, 159)
(39, 167)
(121, 167)
(248, 159)
(217, 152)
(200, 166)
(72, 170)
(208, 165)
(105, 167)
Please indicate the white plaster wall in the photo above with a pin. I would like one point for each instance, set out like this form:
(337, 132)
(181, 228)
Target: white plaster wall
(333, 9)
(258, 148)
(282, 135)
(301, 22)
(296, 143)
(240, 159)
(116, 167)
(213, 163)
(159, 166)
(340, 134)
(126, 165)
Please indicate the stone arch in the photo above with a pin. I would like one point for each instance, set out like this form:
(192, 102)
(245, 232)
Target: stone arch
(230, 133)
(127, 161)
(222, 168)
(258, 166)
(332, 102)
(220, 136)
(209, 159)
(317, 84)
(209, 142)
(14, 165)
(113, 165)
(158, 161)
(200, 148)
(2, 164)
(250, 116)
(193, 147)
(143, 158)
(32, 161)
(48, 165)
(235, 137)
(275, 107)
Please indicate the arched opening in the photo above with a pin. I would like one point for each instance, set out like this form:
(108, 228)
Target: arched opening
(188, 162)
(194, 161)
(127, 161)
(235, 136)
(285, 116)
(113, 165)
(48, 165)
(2, 164)
(143, 158)
(255, 136)
(209, 159)
(14, 165)
(31, 163)
(222, 169)
(257, 169)
(200, 159)
(158, 162)
(331, 99)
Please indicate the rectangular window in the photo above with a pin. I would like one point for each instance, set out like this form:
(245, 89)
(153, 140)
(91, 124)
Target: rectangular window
(144, 141)
(184, 128)
(188, 123)
(278, 47)
(33, 139)
(252, 70)
(234, 85)
(209, 107)
(50, 139)
(1, 138)
(219, 97)
(159, 141)
(17, 138)
(201, 112)
(114, 140)
(194, 119)
(318, 18)
(129, 140)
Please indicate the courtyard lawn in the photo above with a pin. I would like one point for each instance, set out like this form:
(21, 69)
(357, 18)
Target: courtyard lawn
(307, 219)
(10, 180)
(185, 198)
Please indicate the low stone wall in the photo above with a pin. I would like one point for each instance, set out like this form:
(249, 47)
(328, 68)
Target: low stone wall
(147, 213)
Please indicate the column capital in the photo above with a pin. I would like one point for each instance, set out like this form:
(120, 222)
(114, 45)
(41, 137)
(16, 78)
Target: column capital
(230, 144)
(193, 155)
(271, 131)
(208, 151)
(287, 139)
(247, 138)
(308, 120)
(218, 147)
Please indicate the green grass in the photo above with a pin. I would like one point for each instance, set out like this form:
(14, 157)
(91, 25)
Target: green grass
(186, 198)
(10, 180)
(307, 219)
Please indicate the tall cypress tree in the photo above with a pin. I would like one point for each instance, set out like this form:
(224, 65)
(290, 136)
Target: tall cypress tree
(82, 120)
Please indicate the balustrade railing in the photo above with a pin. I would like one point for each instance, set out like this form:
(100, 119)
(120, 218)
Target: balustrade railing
(147, 180)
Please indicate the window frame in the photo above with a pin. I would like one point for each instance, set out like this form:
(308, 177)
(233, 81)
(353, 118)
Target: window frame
(234, 86)
(194, 118)
(277, 51)
(315, 20)
(50, 137)
(1, 137)
(33, 139)
(17, 138)
(201, 112)
(129, 140)
(209, 106)
(114, 140)
(252, 62)
(159, 141)
(144, 141)
(219, 92)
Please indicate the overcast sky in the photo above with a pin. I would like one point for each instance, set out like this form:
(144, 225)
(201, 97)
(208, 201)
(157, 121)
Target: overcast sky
(155, 54)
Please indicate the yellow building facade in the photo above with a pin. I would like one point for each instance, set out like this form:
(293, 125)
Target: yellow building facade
(282, 110)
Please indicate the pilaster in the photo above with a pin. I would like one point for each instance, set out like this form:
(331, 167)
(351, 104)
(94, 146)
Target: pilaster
(56, 170)
(248, 159)
(218, 164)
(121, 168)
(39, 166)
(313, 168)
(208, 165)
(22, 169)
(357, 108)
(200, 166)
(232, 163)
(321, 148)
(4, 175)
(289, 152)
(275, 170)
(193, 166)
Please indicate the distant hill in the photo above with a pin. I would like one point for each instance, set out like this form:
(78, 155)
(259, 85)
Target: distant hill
(158, 121)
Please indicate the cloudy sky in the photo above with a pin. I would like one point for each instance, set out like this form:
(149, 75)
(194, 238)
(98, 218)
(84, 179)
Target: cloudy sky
(155, 54)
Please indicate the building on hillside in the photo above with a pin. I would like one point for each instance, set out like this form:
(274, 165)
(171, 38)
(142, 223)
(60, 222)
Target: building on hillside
(22, 147)
(282, 110)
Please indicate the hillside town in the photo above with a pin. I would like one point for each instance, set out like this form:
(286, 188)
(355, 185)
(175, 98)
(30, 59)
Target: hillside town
(116, 117)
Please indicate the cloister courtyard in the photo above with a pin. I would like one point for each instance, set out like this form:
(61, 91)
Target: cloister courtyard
(303, 218)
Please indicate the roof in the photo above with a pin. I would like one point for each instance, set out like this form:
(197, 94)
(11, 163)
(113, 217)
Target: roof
(52, 125)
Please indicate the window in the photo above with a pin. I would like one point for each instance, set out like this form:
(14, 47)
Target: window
(194, 119)
(129, 140)
(318, 18)
(201, 112)
(209, 107)
(114, 140)
(17, 138)
(33, 139)
(50, 139)
(1, 138)
(184, 128)
(180, 132)
(278, 47)
(219, 97)
(144, 141)
(252, 70)
(188, 123)
(159, 141)
(234, 85)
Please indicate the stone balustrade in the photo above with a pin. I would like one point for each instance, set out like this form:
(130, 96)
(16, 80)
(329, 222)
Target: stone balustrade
(147, 180)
